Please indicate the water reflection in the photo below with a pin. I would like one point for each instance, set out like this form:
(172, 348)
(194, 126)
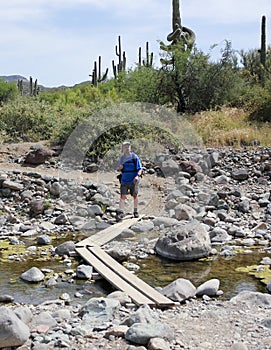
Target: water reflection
(35, 293)
(154, 270)
(160, 272)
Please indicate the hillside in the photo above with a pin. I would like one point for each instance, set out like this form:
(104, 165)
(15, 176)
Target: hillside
(13, 78)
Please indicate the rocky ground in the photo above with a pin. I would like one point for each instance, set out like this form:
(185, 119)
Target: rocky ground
(226, 191)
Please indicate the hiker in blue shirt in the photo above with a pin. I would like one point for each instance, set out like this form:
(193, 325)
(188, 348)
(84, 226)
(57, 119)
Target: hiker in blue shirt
(131, 169)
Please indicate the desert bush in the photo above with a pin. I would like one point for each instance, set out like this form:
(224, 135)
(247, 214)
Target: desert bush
(8, 91)
(27, 119)
(139, 85)
(79, 95)
(257, 102)
(230, 127)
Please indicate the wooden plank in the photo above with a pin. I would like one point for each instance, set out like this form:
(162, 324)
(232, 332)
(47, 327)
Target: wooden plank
(113, 278)
(130, 278)
(109, 233)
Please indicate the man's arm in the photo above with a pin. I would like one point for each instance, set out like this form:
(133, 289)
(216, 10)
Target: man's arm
(138, 167)
(120, 164)
(120, 167)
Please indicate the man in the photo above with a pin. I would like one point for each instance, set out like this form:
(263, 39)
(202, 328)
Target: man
(131, 169)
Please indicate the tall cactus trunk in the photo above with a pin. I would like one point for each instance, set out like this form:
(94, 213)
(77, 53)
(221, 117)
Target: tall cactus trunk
(121, 66)
(263, 51)
(148, 62)
(97, 75)
(176, 17)
(31, 86)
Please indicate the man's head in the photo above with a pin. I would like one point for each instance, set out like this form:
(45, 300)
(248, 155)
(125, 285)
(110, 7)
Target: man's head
(126, 146)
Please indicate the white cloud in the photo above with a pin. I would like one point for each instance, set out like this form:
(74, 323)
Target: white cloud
(227, 11)
(48, 38)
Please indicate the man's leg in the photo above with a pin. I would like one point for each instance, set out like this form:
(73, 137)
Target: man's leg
(122, 202)
(136, 215)
(123, 193)
(134, 193)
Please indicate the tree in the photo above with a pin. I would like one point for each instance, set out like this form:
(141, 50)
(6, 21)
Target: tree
(196, 83)
(140, 85)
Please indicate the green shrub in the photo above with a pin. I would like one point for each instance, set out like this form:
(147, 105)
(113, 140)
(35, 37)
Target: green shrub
(257, 102)
(27, 119)
(8, 91)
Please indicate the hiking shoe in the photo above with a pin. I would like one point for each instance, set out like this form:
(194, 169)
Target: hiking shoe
(136, 215)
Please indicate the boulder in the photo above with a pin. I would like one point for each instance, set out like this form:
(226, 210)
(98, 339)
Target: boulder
(144, 314)
(94, 210)
(122, 297)
(92, 168)
(253, 299)
(36, 206)
(184, 212)
(141, 333)
(186, 242)
(143, 226)
(219, 235)
(61, 219)
(170, 167)
(13, 331)
(209, 288)
(6, 298)
(44, 239)
(179, 290)
(38, 155)
(100, 306)
(240, 174)
(98, 312)
(13, 185)
(165, 221)
(55, 189)
(33, 275)
(65, 248)
(190, 167)
(44, 318)
(84, 272)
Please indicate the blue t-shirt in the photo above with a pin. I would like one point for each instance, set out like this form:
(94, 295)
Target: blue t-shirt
(131, 166)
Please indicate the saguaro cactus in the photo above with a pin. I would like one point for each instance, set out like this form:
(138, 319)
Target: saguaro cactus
(148, 62)
(20, 86)
(121, 66)
(263, 50)
(181, 40)
(36, 88)
(33, 87)
(97, 75)
(180, 34)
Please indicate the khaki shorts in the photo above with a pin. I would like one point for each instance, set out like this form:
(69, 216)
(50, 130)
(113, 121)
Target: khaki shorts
(131, 189)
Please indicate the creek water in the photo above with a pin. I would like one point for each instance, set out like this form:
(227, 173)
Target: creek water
(160, 272)
(153, 270)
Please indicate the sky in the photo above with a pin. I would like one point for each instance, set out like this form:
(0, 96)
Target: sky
(57, 41)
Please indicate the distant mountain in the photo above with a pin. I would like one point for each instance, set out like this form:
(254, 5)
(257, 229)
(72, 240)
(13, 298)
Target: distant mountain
(13, 78)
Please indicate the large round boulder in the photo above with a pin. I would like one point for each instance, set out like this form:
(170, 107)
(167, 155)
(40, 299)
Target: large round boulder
(186, 242)
(13, 331)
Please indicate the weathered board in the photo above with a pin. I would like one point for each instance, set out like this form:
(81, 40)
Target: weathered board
(109, 233)
(141, 286)
(113, 278)
(140, 292)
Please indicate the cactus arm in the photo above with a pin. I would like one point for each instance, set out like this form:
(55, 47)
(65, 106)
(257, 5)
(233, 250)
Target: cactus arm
(180, 33)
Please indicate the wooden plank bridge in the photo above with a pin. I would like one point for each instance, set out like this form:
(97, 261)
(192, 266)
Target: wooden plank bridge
(139, 291)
